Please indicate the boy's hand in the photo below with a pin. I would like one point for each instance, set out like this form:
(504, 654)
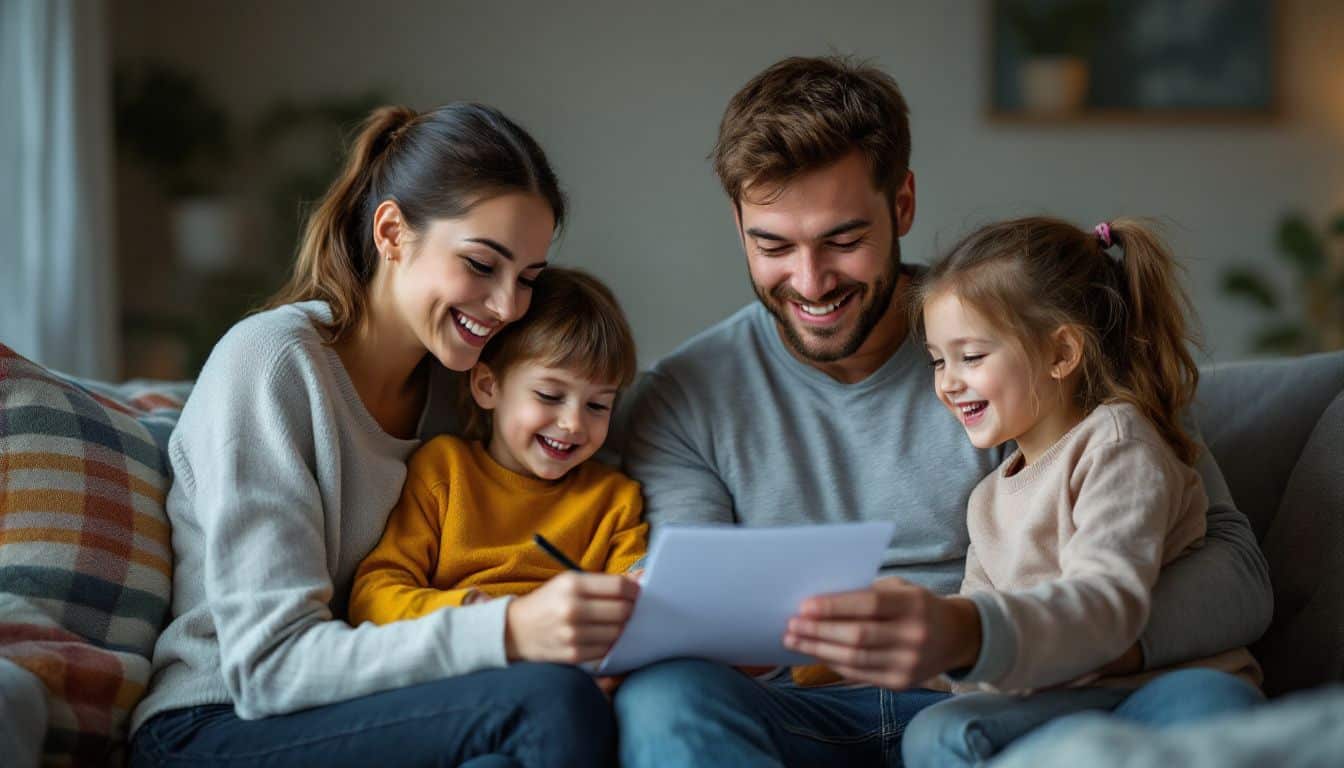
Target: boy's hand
(572, 618)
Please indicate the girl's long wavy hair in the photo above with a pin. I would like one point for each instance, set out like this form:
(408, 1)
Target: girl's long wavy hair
(1030, 276)
(434, 165)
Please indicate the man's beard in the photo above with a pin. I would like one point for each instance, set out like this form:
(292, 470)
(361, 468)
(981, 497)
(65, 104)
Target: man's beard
(873, 305)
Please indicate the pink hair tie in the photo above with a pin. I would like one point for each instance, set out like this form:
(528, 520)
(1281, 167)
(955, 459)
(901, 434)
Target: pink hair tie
(1103, 231)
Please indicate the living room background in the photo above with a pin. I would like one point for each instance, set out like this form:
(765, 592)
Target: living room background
(626, 98)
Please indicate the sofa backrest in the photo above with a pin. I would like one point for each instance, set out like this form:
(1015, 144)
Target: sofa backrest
(1304, 546)
(1276, 429)
(1256, 416)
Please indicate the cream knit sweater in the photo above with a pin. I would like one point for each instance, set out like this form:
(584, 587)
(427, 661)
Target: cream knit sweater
(1069, 547)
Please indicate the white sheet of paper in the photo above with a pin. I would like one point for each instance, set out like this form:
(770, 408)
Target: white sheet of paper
(726, 593)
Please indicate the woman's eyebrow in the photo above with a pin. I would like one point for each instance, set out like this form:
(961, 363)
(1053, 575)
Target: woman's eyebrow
(493, 245)
(501, 249)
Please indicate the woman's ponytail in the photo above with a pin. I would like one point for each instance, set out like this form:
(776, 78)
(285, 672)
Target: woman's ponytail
(336, 258)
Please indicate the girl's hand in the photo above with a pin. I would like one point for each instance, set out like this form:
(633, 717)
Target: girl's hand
(894, 634)
(572, 618)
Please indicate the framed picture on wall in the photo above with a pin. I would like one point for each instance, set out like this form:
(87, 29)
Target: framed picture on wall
(1146, 60)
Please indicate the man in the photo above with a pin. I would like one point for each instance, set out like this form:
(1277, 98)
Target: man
(814, 405)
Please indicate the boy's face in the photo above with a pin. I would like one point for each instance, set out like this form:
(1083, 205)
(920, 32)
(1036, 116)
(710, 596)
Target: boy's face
(546, 421)
(983, 378)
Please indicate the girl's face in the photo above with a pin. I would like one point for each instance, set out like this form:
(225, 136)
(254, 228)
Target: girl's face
(983, 377)
(546, 421)
(461, 280)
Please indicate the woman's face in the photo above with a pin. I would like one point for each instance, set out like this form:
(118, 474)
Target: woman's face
(465, 278)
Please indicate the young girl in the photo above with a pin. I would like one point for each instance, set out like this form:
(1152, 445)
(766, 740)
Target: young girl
(1072, 344)
(293, 447)
(462, 531)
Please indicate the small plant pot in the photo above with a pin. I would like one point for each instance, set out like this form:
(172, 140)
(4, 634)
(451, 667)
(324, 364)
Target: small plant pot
(1053, 84)
(208, 233)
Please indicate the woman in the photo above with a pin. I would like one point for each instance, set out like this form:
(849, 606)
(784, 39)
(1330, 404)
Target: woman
(291, 452)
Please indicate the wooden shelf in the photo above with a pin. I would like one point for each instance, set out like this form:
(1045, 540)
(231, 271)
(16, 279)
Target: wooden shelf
(1160, 118)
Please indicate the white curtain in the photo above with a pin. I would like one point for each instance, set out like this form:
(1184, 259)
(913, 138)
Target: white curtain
(57, 258)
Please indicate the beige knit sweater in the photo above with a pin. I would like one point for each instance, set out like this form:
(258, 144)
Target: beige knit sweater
(1070, 547)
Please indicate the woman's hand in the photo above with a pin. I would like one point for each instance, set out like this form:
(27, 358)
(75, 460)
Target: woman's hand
(894, 634)
(572, 618)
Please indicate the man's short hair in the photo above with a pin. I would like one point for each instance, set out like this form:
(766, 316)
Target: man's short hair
(802, 114)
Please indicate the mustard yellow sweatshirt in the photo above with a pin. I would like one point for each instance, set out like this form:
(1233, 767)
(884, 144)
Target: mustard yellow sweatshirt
(464, 522)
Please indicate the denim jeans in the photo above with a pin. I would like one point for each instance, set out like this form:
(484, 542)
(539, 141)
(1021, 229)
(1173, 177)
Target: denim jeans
(524, 715)
(698, 713)
(972, 728)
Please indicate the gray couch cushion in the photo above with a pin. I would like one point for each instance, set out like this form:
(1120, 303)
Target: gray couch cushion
(1305, 549)
(1255, 418)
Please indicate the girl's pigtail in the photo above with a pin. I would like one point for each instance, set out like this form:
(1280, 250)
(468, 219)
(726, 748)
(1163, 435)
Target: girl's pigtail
(1157, 370)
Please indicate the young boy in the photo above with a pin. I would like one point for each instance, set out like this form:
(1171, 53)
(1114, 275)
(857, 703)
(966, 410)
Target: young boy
(543, 394)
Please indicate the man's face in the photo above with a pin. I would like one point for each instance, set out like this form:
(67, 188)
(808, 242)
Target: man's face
(824, 255)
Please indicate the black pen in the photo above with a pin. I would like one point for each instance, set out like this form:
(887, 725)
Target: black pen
(555, 554)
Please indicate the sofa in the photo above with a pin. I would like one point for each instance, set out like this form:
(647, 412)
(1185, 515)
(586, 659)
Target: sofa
(85, 551)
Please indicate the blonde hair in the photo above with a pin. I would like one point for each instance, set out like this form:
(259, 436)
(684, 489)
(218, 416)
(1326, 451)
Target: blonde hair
(1033, 275)
(574, 323)
(434, 165)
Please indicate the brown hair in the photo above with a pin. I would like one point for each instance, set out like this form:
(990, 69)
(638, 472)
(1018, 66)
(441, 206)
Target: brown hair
(1034, 275)
(434, 165)
(801, 114)
(574, 323)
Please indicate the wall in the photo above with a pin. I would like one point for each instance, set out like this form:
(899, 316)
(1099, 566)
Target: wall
(626, 98)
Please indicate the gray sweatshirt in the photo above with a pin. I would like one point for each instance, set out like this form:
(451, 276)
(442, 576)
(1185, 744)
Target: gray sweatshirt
(732, 428)
(282, 483)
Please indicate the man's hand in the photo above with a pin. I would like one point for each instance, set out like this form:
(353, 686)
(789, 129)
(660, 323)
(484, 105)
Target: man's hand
(894, 634)
(572, 618)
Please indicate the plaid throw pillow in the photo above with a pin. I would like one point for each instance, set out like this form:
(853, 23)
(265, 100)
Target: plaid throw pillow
(85, 551)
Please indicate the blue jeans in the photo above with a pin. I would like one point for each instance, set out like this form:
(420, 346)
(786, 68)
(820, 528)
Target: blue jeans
(522, 715)
(697, 713)
(972, 728)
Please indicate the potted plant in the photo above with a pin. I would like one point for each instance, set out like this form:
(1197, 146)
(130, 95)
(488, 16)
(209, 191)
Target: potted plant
(169, 123)
(1316, 323)
(1057, 37)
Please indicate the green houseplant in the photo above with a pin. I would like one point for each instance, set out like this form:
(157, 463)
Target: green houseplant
(1315, 322)
(1057, 37)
